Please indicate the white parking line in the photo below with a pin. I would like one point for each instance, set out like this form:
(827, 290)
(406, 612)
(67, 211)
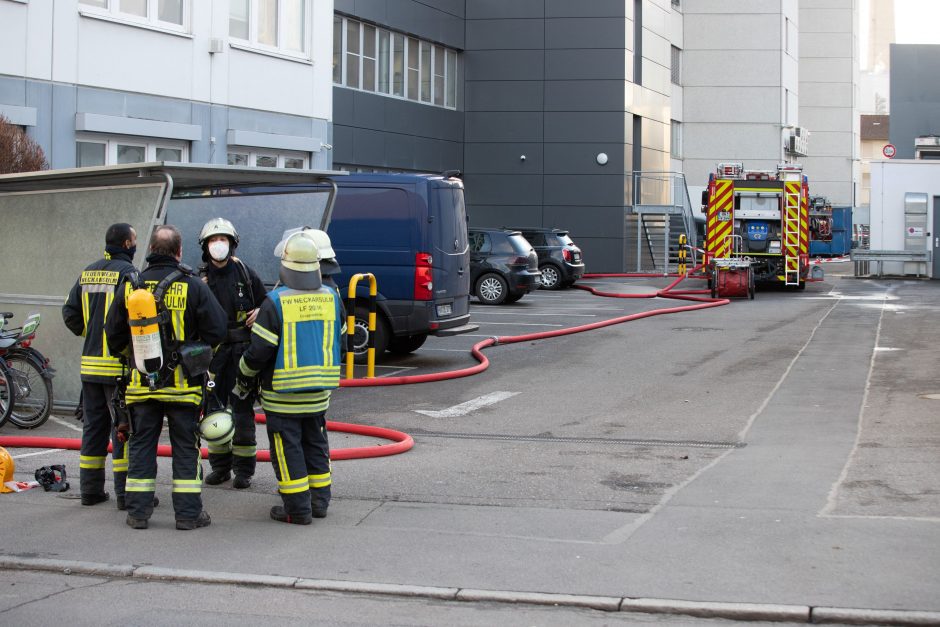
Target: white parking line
(65, 424)
(521, 313)
(465, 408)
(50, 450)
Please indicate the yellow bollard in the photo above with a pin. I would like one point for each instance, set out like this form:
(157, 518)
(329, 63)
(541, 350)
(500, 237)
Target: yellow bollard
(682, 253)
(351, 324)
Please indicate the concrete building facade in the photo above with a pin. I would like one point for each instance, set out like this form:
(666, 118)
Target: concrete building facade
(547, 106)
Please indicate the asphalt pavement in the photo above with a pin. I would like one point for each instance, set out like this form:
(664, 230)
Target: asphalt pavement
(773, 459)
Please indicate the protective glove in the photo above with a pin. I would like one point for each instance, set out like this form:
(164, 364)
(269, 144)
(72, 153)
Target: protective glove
(123, 432)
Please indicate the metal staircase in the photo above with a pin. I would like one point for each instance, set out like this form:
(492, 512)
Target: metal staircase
(661, 213)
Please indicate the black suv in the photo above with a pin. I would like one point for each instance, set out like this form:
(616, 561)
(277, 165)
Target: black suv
(560, 260)
(503, 266)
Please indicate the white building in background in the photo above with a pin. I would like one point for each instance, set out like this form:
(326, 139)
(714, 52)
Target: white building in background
(214, 81)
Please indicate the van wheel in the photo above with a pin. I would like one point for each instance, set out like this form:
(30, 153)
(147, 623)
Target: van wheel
(492, 289)
(361, 337)
(551, 277)
(404, 344)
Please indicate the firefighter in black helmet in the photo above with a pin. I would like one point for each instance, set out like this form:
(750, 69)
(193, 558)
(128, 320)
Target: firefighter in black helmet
(240, 291)
(295, 351)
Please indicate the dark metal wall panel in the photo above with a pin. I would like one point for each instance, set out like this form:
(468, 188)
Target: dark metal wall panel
(582, 159)
(582, 64)
(504, 126)
(591, 221)
(503, 189)
(586, 33)
(503, 158)
(584, 190)
(506, 96)
(915, 95)
(504, 9)
(603, 254)
(504, 65)
(589, 8)
(584, 126)
(518, 34)
(505, 215)
(583, 95)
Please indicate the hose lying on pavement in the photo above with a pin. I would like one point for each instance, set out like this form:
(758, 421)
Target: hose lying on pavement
(403, 441)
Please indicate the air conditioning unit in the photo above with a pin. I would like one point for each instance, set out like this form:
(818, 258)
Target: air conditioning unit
(798, 142)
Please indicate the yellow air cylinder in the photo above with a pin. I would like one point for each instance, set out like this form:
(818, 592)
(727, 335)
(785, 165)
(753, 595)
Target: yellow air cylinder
(145, 336)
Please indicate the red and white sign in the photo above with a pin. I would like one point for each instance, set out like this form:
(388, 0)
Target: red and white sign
(889, 151)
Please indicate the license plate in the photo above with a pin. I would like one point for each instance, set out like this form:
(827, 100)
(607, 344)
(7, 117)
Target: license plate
(445, 310)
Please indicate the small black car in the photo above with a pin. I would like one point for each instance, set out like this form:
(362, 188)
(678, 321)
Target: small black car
(503, 266)
(560, 260)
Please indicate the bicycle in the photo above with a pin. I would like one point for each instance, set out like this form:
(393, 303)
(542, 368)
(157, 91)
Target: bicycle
(30, 389)
(6, 387)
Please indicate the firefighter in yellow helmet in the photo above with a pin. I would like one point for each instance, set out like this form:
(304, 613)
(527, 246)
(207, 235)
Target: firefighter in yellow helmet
(295, 356)
(240, 291)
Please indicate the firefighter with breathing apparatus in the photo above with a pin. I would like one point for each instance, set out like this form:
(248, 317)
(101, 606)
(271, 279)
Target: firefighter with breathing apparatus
(169, 321)
(101, 371)
(240, 291)
(295, 357)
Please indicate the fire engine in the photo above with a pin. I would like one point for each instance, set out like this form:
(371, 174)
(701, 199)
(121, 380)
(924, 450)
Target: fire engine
(756, 228)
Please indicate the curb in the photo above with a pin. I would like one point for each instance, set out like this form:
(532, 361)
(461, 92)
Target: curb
(701, 609)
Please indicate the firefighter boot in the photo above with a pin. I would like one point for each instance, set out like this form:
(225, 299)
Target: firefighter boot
(280, 514)
(202, 520)
(217, 477)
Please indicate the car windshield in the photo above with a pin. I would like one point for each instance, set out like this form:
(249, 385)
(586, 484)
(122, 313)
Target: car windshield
(565, 239)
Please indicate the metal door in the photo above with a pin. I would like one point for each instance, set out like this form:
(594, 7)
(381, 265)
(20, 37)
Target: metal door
(935, 256)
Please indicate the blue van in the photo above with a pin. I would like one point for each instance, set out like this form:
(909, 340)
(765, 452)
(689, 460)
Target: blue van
(410, 231)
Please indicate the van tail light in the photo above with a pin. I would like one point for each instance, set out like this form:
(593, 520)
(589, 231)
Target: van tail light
(566, 254)
(424, 288)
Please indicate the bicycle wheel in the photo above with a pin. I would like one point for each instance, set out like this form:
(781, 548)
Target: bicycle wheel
(32, 402)
(6, 393)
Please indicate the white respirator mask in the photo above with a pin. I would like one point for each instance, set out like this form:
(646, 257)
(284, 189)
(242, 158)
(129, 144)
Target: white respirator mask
(218, 250)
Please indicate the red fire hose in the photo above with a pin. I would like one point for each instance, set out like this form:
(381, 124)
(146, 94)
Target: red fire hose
(403, 441)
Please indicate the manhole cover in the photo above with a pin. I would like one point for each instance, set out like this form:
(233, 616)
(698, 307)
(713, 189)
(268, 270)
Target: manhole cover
(931, 397)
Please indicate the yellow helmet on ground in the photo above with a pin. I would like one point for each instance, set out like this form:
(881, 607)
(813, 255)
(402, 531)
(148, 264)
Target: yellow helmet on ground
(7, 466)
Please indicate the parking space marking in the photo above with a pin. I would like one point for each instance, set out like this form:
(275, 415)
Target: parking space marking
(522, 324)
(65, 424)
(526, 313)
(465, 408)
(50, 450)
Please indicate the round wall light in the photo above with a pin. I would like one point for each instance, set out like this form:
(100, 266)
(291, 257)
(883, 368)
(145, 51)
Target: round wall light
(602, 158)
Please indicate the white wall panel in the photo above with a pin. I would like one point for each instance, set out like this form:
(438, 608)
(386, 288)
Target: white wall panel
(733, 7)
(13, 16)
(826, 70)
(828, 118)
(826, 95)
(733, 104)
(746, 68)
(831, 144)
(740, 32)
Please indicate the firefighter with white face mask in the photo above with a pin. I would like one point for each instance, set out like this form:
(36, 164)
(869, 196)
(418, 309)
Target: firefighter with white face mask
(240, 291)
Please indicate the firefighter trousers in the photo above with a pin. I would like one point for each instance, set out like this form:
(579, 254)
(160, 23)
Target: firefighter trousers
(97, 430)
(238, 454)
(146, 425)
(300, 454)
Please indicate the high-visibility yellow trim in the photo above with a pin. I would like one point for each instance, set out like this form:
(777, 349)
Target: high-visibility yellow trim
(119, 465)
(293, 487)
(320, 481)
(187, 486)
(140, 485)
(295, 402)
(91, 462)
(264, 334)
(244, 451)
(218, 449)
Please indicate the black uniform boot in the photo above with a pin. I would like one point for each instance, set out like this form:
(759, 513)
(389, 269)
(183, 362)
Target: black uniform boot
(280, 514)
(217, 477)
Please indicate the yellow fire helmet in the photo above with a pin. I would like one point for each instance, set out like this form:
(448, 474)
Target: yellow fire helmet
(217, 427)
(300, 263)
(7, 466)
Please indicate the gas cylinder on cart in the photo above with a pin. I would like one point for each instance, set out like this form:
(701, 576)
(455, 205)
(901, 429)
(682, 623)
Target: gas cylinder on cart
(145, 333)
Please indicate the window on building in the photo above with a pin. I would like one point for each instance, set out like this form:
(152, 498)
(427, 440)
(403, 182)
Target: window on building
(270, 24)
(162, 13)
(676, 67)
(376, 59)
(94, 150)
(675, 143)
(267, 158)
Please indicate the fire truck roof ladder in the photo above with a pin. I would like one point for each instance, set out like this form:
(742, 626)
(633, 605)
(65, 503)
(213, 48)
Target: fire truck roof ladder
(791, 233)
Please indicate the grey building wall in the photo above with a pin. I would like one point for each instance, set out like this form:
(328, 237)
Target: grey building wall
(915, 95)
(545, 79)
(59, 109)
(383, 132)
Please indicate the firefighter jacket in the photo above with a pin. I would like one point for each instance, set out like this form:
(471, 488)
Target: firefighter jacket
(85, 310)
(295, 347)
(195, 316)
(239, 290)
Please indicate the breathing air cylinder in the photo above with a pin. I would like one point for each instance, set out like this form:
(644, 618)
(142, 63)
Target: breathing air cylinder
(145, 334)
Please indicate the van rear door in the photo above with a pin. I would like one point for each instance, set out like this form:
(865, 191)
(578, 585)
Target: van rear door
(450, 253)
